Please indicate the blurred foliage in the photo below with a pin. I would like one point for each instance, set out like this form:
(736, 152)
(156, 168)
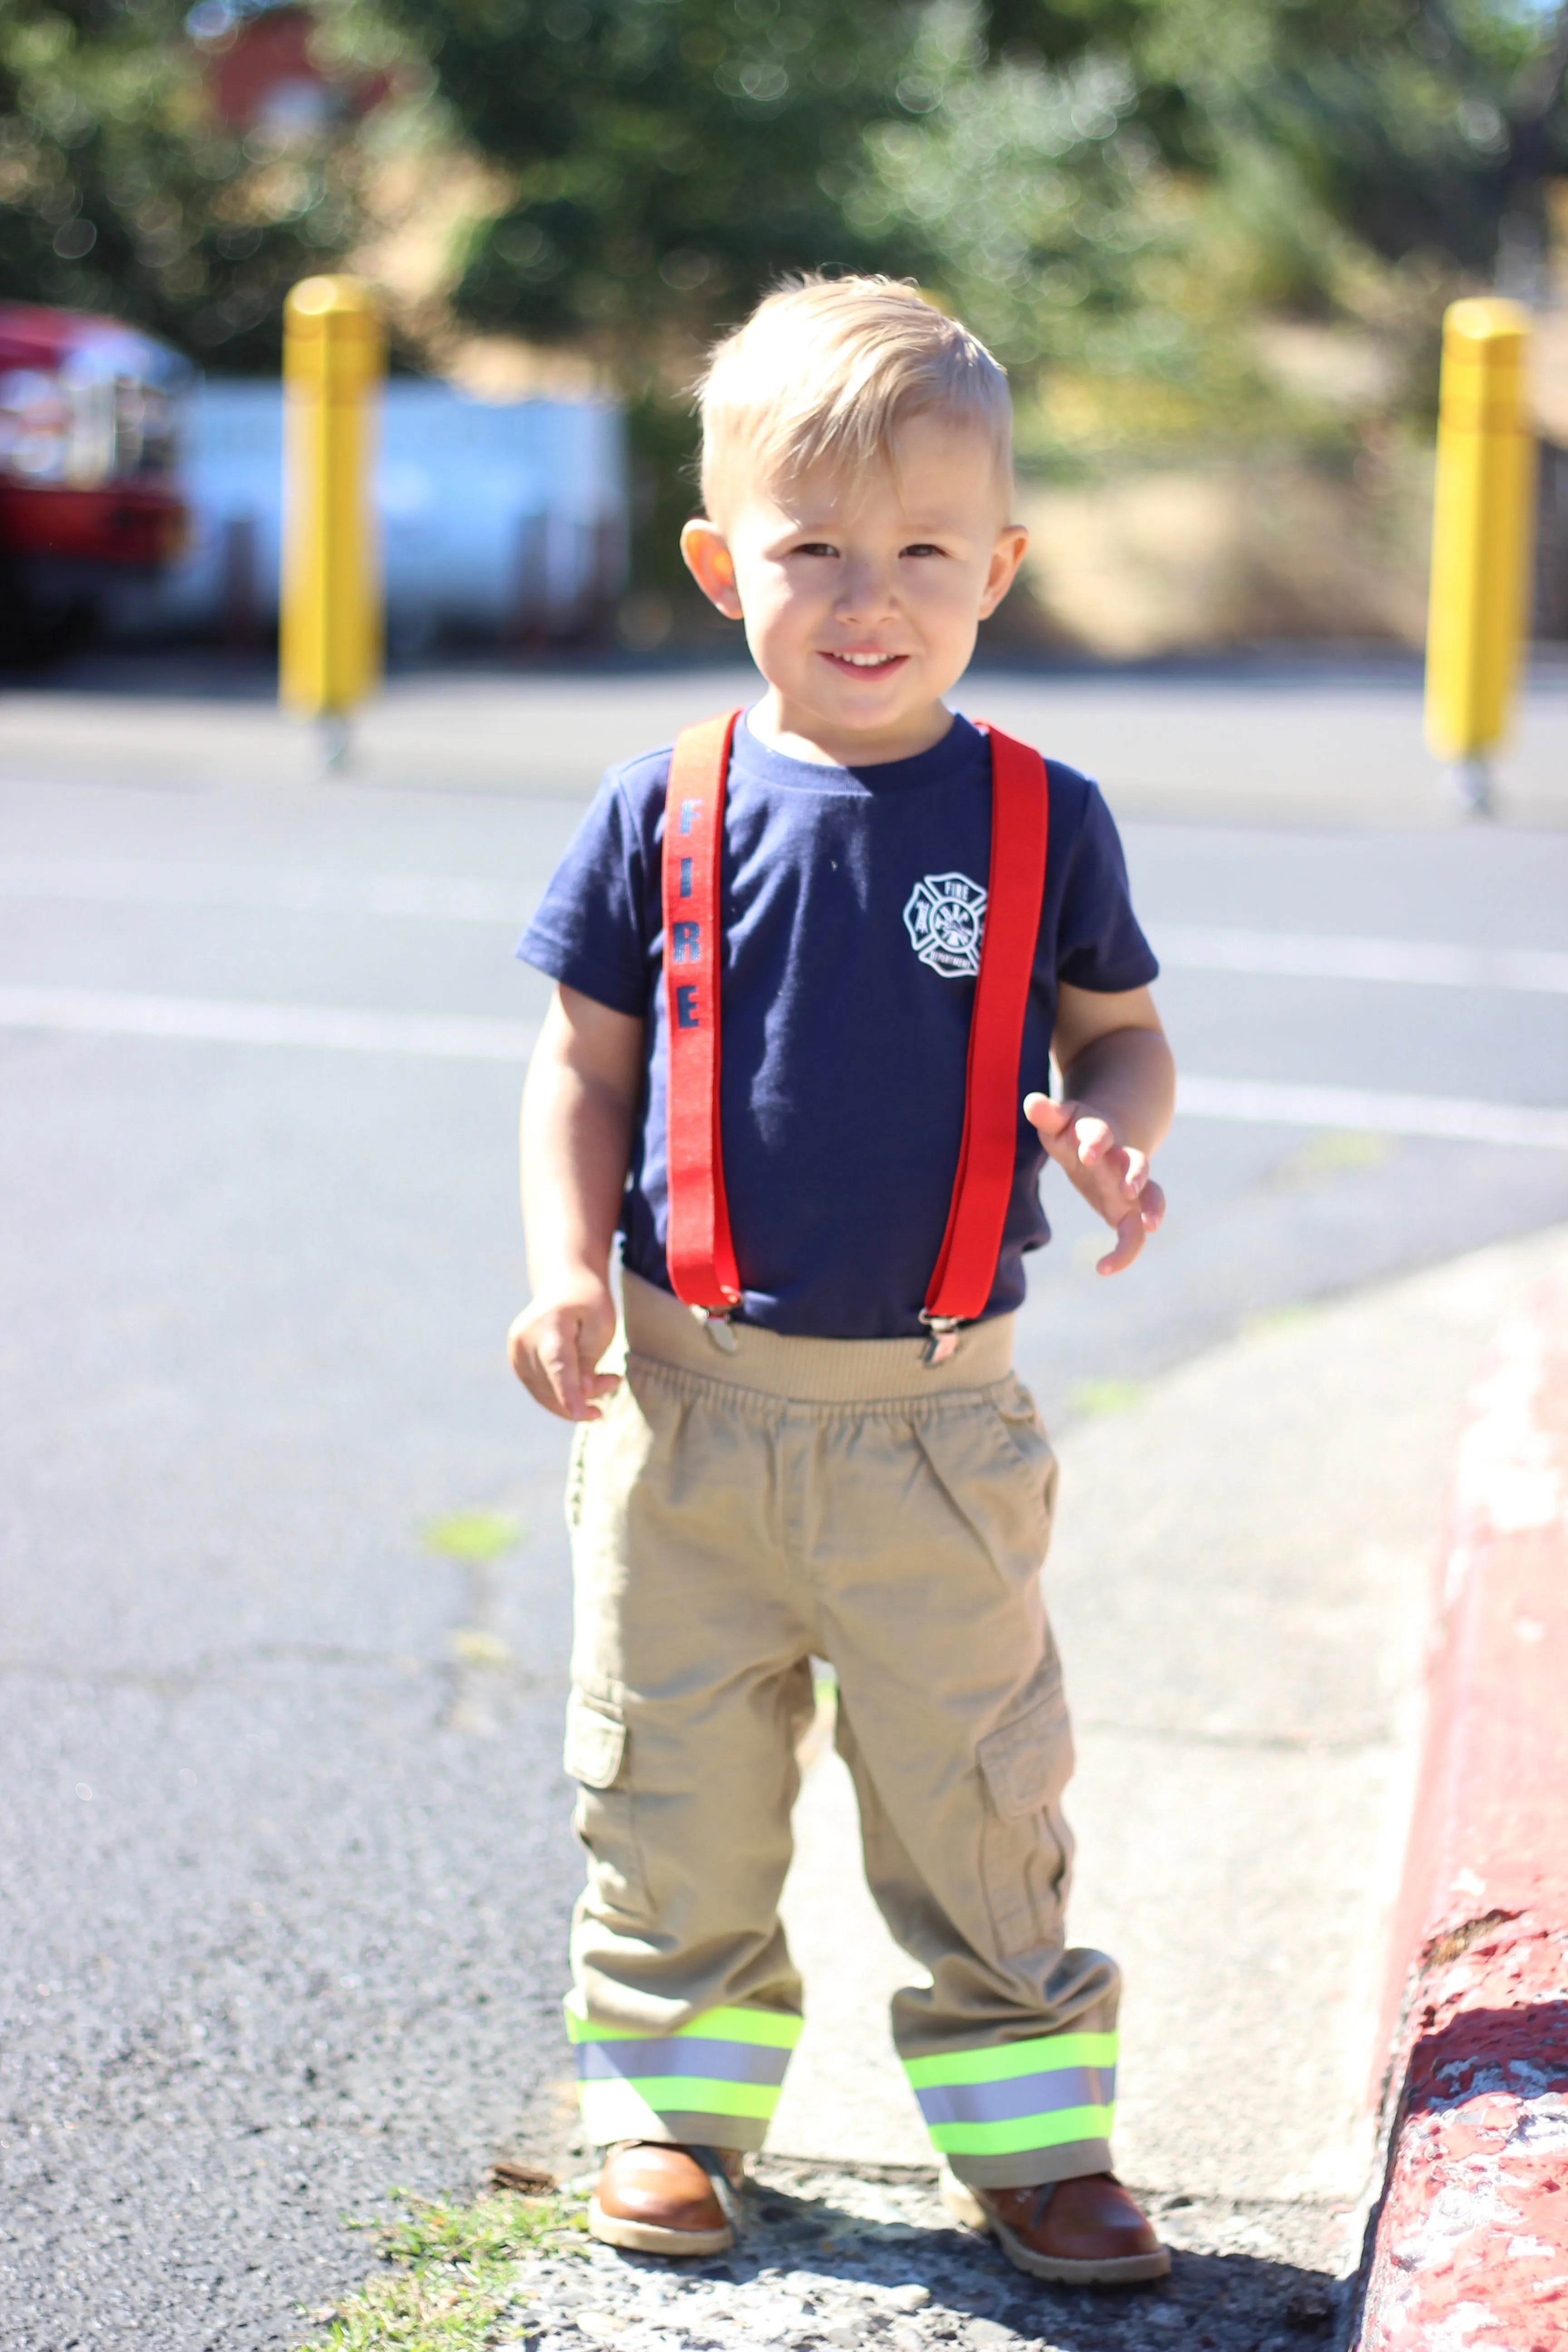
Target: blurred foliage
(1121, 194)
(1162, 181)
(1414, 123)
(1117, 194)
(1048, 163)
(119, 191)
(671, 157)
(115, 194)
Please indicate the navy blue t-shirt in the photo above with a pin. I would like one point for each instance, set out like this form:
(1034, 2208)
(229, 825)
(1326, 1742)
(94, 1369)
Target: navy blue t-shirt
(851, 905)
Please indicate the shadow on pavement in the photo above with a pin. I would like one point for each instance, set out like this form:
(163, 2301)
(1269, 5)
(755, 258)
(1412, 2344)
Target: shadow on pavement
(830, 2259)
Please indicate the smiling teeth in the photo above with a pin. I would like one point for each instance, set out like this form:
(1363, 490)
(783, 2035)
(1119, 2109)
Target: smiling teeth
(868, 661)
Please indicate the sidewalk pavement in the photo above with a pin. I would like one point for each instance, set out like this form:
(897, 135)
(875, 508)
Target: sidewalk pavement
(1471, 2240)
(1290, 741)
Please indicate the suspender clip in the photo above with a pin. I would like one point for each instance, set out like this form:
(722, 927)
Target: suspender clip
(942, 1335)
(716, 1320)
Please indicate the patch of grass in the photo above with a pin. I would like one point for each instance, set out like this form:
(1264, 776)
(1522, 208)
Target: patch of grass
(1104, 1396)
(1288, 1317)
(1338, 1152)
(472, 1647)
(457, 2275)
(473, 1535)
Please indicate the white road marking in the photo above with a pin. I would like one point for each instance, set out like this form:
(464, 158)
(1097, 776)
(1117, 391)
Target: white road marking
(86, 1012)
(1312, 955)
(133, 882)
(1451, 1119)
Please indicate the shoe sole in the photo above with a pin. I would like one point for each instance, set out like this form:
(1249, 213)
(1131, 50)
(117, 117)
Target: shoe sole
(1119, 2269)
(649, 2237)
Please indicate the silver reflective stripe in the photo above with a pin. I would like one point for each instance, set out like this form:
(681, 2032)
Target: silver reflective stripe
(648, 2058)
(1018, 2095)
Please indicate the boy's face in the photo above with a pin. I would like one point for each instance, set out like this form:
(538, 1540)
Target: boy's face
(861, 598)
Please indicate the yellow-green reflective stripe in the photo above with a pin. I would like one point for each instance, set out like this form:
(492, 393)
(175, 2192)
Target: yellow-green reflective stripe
(758, 2062)
(998, 2060)
(1022, 2133)
(995, 2103)
(773, 2029)
(688, 2095)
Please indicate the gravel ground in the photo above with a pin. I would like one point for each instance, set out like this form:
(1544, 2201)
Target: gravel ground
(832, 2258)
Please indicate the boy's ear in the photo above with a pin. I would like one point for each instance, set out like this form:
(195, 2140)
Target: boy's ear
(1006, 558)
(710, 564)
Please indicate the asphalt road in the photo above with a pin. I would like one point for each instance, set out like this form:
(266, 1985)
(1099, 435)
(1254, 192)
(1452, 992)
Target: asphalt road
(286, 1866)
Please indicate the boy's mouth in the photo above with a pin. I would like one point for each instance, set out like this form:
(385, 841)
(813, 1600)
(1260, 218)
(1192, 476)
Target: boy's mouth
(866, 664)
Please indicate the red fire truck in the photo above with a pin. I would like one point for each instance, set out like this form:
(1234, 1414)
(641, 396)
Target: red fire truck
(90, 504)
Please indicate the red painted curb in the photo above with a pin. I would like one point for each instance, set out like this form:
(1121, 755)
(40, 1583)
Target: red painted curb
(1470, 2247)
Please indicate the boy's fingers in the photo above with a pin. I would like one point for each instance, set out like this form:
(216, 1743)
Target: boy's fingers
(1094, 1140)
(1068, 1131)
(554, 1351)
(1129, 1241)
(1119, 1185)
(1049, 1117)
(558, 1362)
(1060, 1126)
(1132, 1229)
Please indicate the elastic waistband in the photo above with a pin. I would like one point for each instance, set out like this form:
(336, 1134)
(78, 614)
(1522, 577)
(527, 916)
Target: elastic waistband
(810, 1372)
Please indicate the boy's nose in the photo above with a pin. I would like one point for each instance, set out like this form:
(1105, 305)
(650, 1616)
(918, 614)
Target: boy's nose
(863, 589)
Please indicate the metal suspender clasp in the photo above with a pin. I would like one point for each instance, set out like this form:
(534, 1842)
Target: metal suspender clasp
(716, 1320)
(942, 1335)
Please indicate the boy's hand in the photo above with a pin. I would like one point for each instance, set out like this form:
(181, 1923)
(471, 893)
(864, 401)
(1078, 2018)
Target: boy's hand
(1112, 1178)
(554, 1345)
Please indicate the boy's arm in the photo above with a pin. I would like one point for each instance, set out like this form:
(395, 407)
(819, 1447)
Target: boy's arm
(578, 1107)
(1119, 1089)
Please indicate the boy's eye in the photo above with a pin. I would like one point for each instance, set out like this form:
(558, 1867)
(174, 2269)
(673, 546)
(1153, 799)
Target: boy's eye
(922, 546)
(815, 547)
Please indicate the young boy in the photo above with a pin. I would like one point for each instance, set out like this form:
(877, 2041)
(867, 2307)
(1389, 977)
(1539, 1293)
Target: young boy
(817, 1447)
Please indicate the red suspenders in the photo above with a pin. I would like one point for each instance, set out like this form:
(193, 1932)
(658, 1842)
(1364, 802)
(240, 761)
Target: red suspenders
(966, 1266)
(701, 1253)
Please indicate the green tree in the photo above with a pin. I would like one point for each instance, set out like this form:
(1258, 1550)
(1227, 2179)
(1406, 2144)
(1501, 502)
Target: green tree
(1415, 125)
(671, 157)
(119, 193)
(1165, 183)
(1040, 157)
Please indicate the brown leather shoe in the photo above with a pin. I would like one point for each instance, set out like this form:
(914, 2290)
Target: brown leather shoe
(1083, 2232)
(655, 2198)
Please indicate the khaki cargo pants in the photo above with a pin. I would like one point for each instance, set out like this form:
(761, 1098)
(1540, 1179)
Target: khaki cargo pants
(734, 1515)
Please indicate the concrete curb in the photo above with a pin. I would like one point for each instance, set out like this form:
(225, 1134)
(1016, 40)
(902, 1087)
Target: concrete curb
(1468, 2245)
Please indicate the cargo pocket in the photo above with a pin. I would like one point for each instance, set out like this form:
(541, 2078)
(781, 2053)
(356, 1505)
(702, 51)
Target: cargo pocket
(1024, 1846)
(595, 1757)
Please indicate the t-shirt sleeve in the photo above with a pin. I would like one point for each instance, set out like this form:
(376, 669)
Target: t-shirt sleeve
(1098, 943)
(588, 931)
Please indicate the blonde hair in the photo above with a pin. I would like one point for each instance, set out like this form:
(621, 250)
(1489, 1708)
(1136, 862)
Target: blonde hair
(827, 370)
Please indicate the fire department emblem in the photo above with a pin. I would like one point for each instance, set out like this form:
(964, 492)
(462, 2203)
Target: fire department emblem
(944, 919)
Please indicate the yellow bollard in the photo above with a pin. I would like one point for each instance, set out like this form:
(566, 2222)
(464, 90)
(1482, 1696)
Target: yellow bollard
(1480, 539)
(330, 632)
